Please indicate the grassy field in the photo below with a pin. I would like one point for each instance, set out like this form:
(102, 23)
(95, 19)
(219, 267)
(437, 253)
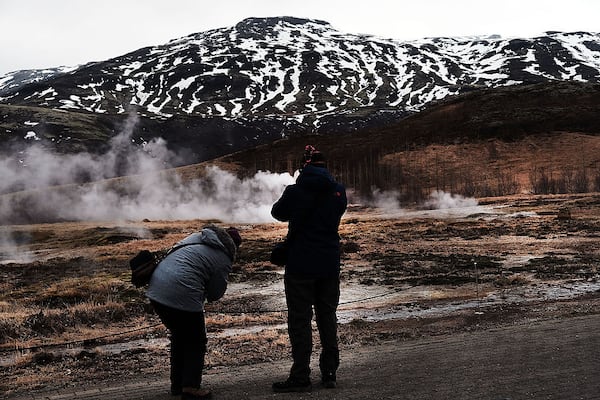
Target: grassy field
(65, 295)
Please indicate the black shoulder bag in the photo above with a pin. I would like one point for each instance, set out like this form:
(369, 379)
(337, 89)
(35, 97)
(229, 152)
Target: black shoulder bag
(145, 262)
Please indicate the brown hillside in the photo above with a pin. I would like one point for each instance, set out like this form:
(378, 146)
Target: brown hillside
(534, 138)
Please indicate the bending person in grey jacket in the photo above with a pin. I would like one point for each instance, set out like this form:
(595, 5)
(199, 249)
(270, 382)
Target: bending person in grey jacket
(180, 285)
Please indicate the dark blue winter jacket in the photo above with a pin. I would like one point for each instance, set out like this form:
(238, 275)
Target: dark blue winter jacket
(313, 207)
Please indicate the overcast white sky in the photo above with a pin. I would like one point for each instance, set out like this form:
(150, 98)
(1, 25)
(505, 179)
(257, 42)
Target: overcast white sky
(50, 33)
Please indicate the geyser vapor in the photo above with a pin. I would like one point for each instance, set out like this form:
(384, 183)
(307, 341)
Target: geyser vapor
(9, 248)
(42, 186)
(219, 195)
(441, 200)
(438, 200)
(148, 193)
(38, 167)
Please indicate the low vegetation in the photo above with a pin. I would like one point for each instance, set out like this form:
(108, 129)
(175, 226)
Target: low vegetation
(61, 308)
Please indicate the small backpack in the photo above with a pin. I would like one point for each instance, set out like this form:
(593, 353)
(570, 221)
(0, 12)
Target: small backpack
(142, 266)
(145, 262)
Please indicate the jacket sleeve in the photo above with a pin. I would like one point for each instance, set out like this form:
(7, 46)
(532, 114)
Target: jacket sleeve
(282, 209)
(217, 284)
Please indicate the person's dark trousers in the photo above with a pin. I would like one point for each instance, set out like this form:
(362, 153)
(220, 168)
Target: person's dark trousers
(188, 345)
(301, 294)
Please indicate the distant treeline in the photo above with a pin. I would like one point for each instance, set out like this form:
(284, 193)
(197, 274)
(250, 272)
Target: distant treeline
(367, 171)
(416, 184)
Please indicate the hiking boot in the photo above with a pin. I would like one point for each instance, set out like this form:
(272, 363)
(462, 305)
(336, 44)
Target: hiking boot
(196, 394)
(292, 385)
(176, 389)
(328, 380)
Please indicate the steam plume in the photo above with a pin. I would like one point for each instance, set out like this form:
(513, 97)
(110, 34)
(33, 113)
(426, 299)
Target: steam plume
(388, 201)
(151, 194)
(441, 200)
(9, 248)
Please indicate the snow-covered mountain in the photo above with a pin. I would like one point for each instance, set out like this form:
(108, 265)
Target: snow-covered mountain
(268, 77)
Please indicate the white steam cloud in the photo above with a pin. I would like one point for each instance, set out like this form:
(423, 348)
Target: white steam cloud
(150, 194)
(388, 201)
(385, 200)
(9, 248)
(440, 200)
(220, 195)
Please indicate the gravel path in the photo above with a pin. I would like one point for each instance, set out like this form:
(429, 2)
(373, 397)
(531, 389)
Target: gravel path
(550, 359)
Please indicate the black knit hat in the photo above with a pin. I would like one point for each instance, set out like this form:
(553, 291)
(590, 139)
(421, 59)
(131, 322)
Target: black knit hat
(235, 236)
(312, 156)
(317, 159)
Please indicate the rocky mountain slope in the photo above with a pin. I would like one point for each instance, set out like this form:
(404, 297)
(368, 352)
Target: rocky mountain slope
(220, 91)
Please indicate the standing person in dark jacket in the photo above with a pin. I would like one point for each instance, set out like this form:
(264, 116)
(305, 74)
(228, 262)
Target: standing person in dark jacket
(313, 208)
(182, 282)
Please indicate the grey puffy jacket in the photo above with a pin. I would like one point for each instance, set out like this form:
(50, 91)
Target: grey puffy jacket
(192, 274)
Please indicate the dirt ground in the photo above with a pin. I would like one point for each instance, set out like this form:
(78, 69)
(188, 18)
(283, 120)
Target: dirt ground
(428, 296)
(547, 359)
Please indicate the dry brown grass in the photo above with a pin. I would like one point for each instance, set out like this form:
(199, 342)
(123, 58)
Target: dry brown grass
(76, 288)
(97, 289)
